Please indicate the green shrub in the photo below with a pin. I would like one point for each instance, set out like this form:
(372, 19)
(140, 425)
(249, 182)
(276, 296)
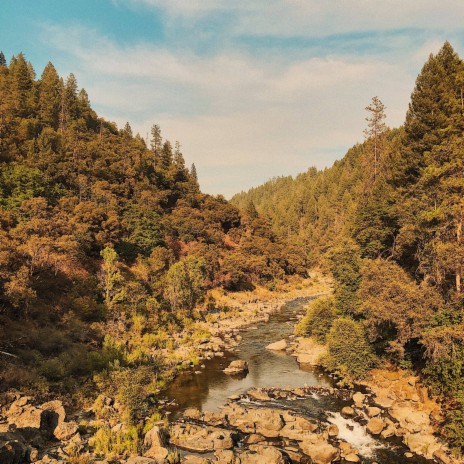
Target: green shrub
(318, 320)
(109, 443)
(349, 354)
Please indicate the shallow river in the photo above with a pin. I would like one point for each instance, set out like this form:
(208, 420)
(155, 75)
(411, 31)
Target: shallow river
(209, 390)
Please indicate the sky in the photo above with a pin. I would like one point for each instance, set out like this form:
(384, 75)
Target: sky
(252, 89)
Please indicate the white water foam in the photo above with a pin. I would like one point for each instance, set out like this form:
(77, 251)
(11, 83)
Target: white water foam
(355, 434)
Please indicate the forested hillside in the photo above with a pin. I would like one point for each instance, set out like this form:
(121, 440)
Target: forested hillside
(387, 221)
(107, 245)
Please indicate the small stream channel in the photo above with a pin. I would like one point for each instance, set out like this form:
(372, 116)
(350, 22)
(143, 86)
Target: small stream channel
(209, 390)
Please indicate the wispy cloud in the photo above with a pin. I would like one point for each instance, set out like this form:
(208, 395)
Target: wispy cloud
(253, 107)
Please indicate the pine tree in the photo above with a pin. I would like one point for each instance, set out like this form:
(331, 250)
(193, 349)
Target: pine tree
(50, 89)
(434, 112)
(375, 132)
(156, 142)
(193, 173)
(21, 87)
(2, 59)
(178, 157)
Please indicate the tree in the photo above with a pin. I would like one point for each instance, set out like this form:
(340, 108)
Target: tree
(156, 142)
(185, 283)
(2, 59)
(50, 89)
(193, 173)
(111, 278)
(375, 131)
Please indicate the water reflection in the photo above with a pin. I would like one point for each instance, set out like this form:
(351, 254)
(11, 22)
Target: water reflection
(210, 389)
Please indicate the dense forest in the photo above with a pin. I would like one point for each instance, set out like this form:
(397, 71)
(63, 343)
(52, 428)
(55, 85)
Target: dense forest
(387, 221)
(107, 245)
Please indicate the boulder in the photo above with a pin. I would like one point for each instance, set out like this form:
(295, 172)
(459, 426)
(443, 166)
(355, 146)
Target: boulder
(262, 454)
(154, 441)
(259, 395)
(332, 430)
(237, 367)
(193, 413)
(13, 452)
(441, 456)
(267, 422)
(352, 457)
(224, 457)
(358, 399)
(200, 439)
(375, 426)
(192, 459)
(348, 411)
(277, 346)
(141, 460)
(373, 411)
(320, 452)
(65, 430)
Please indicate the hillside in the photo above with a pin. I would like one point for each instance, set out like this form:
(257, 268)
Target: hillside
(387, 221)
(107, 245)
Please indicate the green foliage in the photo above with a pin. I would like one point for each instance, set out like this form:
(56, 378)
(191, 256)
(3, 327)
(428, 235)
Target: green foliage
(345, 264)
(185, 283)
(111, 443)
(349, 354)
(318, 319)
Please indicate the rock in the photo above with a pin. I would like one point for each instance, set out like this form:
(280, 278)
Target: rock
(309, 351)
(154, 441)
(348, 411)
(332, 430)
(408, 455)
(56, 407)
(423, 444)
(267, 422)
(200, 439)
(372, 411)
(192, 459)
(358, 399)
(26, 416)
(254, 438)
(262, 454)
(13, 452)
(375, 426)
(320, 452)
(388, 432)
(277, 346)
(258, 395)
(352, 457)
(224, 457)
(441, 456)
(141, 460)
(236, 367)
(65, 430)
(192, 413)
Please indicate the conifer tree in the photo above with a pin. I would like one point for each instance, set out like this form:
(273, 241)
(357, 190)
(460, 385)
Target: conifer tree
(156, 142)
(375, 131)
(50, 88)
(2, 59)
(193, 173)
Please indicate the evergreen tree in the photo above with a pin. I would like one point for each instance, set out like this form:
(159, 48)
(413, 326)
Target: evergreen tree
(156, 142)
(375, 132)
(50, 89)
(193, 173)
(2, 59)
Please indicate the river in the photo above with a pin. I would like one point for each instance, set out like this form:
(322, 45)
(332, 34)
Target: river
(208, 389)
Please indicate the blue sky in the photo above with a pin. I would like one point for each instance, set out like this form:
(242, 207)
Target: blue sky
(251, 88)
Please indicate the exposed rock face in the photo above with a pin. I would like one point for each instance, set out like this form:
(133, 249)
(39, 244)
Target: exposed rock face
(201, 439)
(237, 367)
(141, 460)
(277, 346)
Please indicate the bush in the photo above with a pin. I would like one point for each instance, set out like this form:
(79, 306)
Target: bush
(110, 443)
(349, 354)
(318, 320)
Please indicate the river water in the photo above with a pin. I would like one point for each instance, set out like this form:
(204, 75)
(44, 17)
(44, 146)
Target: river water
(209, 390)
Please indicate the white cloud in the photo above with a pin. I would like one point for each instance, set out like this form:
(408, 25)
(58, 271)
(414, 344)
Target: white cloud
(243, 118)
